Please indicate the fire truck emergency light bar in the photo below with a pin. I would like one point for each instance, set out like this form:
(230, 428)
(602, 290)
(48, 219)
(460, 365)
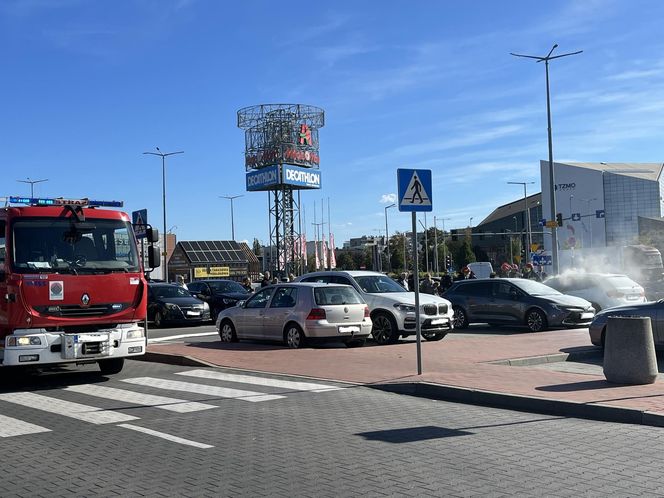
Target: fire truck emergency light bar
(45, 201)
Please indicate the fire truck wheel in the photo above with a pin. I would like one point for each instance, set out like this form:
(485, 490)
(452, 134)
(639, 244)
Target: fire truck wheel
(112, 366)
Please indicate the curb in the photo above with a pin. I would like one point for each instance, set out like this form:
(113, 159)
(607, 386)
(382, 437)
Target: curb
(441, 392)
(600, 412)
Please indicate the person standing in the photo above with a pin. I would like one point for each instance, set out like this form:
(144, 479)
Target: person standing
(266, 279)
(246, 283)
(403, 280)
(429, 286)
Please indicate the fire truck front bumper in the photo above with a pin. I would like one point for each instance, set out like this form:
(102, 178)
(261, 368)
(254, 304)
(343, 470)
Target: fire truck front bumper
(41, 347)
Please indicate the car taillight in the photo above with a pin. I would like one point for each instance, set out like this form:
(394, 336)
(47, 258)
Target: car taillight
(366, 312)
(316, 314)
(615, 294)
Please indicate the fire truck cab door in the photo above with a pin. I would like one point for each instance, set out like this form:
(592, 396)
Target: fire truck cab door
(4, 311)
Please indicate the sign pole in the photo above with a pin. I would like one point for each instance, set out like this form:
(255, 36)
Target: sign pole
(416, 285)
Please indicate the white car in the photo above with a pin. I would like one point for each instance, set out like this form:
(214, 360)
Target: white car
(603, 290)
(392, 308)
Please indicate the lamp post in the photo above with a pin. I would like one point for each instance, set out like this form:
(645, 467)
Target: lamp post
(32, 185)
(230, 198)
(387, 236)
(511, 255)
(163, 156)
(552, 193)
(529, 231)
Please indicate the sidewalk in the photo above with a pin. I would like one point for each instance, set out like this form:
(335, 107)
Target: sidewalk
(467, 369)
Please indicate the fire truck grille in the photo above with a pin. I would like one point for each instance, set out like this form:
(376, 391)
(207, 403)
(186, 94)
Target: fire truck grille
(74, 310)
(92, 347)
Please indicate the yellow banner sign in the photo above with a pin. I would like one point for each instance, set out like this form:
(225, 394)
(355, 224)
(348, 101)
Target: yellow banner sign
(214, 271)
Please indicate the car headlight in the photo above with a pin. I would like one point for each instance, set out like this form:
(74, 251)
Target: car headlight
(171, 306)
(405, 308)
(206, 306)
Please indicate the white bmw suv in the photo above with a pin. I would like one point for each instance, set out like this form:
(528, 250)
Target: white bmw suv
(392, 307)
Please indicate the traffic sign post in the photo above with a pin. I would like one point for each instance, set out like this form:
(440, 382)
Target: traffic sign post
(139, 220)
(415, 195)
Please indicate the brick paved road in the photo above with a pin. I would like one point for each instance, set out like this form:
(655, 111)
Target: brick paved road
(285, 442)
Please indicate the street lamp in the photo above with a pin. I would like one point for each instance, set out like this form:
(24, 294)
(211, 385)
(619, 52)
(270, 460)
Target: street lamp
(163, 156)
(552, 193)
(470, 223)
(529, 231)
(511, 255)
(230, 198)
(32, 185)
(387, 236)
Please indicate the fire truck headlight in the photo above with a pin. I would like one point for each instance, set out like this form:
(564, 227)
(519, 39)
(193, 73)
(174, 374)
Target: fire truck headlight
(23, 341)
(135, 334)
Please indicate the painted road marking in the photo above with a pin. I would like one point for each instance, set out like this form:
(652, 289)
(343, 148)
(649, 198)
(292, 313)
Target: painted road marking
(13, 427)
(221, 392)
(260, 381)
(136, 398)
(168, 437)
(181, 336)
(78, 411)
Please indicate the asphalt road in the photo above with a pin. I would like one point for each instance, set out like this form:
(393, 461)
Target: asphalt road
(76, 433)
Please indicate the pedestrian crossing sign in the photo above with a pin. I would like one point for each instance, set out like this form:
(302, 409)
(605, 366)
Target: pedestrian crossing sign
(414, 190)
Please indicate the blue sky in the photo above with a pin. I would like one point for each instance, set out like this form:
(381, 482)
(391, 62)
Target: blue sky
(88, 86)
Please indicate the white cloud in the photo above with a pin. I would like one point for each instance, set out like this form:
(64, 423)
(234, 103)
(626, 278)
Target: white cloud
(388, 198)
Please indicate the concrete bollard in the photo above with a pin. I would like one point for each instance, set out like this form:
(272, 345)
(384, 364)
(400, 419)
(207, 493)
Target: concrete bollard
(629, 351)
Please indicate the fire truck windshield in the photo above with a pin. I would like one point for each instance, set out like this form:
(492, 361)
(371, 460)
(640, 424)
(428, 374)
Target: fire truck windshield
(41, 245)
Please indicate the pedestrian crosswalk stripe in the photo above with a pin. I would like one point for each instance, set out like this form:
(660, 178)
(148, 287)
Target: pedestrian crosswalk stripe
(168, 437)
(221, 392)
(261, 381)
(78, 411)
(136, 398)
(14, 427)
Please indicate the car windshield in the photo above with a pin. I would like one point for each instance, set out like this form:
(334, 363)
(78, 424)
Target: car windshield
(376, 284)
(167, 291)
(621, 281)
(336, 295)
(226, 286)
(535, 288)
(42, 245)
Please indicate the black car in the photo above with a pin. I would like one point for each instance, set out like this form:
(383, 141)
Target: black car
(170, 304)
(516, 301)
(219, 294)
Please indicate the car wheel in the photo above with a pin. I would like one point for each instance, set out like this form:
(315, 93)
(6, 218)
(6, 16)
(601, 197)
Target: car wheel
(460, 318)
(358, 343)
(227, 332)
(158, 320)
(294, 337)
(536, 321)
(111, 367)
(434, 337)
(384, 330)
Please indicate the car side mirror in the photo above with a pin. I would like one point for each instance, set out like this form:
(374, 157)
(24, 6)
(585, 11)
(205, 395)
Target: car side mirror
(241, 304)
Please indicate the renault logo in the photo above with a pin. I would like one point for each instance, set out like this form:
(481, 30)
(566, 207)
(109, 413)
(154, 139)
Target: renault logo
(85, 299)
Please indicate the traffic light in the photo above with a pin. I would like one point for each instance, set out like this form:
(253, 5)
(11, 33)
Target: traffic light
(559, 219)
(448, 262)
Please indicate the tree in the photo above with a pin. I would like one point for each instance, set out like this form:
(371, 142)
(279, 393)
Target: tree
(468, 255)
(256, 247)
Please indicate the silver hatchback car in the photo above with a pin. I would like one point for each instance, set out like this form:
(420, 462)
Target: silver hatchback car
(297, 313)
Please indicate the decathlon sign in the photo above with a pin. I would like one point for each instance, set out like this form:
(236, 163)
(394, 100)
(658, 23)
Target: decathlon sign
(300, 177)
(263, 179)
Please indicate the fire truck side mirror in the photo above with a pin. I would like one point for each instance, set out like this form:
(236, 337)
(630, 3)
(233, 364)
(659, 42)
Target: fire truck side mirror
(152, 235)
(154, 257)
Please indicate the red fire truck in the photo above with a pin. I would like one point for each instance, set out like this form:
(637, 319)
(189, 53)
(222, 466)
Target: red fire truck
(72, 286)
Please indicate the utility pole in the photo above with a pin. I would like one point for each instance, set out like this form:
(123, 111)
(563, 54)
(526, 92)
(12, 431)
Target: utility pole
(552, 192)
(435, 233)
(387, 237)
(426, 249)
(163, 156)
(32, 185)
